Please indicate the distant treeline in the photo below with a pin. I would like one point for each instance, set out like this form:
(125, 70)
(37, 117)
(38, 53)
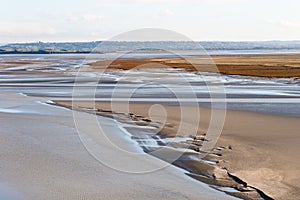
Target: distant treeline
(112, 46)
(42, 52)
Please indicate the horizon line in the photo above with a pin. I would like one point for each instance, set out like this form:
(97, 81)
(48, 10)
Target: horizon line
(90, 41)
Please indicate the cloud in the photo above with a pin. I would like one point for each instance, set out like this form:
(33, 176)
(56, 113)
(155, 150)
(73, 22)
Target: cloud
(120, 3)
(167, 12)
(179, 1)
(163, 14)
(285, 23)
(26, 28)
(84, 17)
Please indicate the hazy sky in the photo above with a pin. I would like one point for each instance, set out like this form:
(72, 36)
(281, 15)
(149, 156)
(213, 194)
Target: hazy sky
(86, 20)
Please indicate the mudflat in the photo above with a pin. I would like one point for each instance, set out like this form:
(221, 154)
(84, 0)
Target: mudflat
(260, 151)
(42, 157)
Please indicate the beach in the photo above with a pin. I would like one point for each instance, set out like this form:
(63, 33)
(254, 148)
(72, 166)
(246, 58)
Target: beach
(150, 100)
(262, 147)
(260, 144)
(256, 155)
(48, 160)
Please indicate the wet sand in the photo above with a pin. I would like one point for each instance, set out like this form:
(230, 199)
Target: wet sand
(260, 150)
(42, 157)
(256, 155)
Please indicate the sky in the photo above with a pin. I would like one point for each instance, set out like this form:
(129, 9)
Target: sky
(200, 20)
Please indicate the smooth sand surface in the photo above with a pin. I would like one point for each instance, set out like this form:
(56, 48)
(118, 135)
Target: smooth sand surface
(43, 158)
(264, 150)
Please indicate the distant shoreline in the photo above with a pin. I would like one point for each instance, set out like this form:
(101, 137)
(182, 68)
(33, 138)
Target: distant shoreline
(160, 46)
(45, 52)
(267, 52)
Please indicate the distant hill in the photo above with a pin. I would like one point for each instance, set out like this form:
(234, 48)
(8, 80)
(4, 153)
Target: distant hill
(112, 46)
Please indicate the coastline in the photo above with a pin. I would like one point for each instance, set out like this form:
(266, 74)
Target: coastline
(250, 156)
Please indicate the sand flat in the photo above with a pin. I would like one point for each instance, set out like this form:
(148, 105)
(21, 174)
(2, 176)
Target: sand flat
(264, 148)
(48, 161)
(279, 66)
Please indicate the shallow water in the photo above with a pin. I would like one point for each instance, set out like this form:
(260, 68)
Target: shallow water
(270, 96)
(55, 132)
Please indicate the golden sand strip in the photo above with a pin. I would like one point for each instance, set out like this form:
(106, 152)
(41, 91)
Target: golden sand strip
(257, 154)
(280, 66)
